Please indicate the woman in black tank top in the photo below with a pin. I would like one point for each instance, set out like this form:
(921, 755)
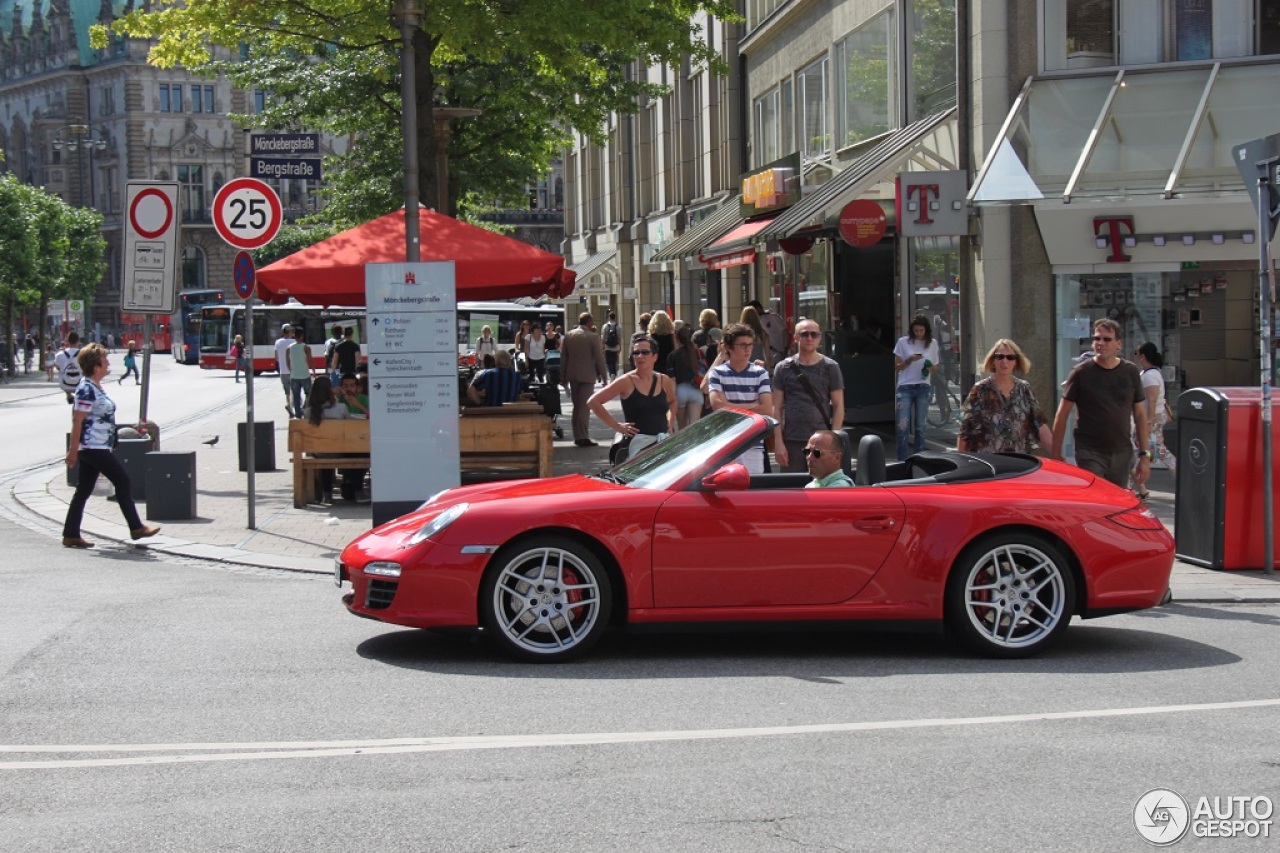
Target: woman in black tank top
(648, 398)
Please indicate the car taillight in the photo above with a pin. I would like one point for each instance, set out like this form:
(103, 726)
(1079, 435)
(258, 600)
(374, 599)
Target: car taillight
(1138, 518)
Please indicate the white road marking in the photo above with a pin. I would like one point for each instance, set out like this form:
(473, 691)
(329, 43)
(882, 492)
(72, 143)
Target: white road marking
(185, 753)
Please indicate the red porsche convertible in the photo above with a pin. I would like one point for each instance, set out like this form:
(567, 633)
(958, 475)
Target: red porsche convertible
(1000, 549)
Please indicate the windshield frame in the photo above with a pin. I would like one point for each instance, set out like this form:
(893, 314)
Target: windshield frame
(703, 445)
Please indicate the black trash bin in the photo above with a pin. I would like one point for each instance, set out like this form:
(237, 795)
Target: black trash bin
(1218, 514)
(171, 486)
(264, 445)
(132, 453)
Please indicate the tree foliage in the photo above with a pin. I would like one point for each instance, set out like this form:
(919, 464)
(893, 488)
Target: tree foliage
(534, 68)
(48, 249)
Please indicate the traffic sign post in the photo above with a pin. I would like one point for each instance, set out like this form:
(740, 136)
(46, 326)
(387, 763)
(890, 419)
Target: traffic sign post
(1258, 162)
(247, 214)
(150, 264)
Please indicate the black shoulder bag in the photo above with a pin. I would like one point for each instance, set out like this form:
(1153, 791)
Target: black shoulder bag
(817, 401)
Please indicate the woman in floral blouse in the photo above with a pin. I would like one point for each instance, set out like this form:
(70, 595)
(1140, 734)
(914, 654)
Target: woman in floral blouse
(1001, 414)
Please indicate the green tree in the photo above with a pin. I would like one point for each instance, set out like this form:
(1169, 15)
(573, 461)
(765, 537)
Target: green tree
(48, 250)
(533, 68)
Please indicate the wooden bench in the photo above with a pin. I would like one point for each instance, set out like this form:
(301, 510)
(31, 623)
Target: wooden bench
(514, 439)
(347, 442)
(502, 441)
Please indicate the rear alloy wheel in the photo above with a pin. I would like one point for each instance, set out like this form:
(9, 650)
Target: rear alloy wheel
(1010, 596)
(546, 599)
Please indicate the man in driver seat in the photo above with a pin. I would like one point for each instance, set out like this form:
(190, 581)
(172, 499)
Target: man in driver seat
(822, 453)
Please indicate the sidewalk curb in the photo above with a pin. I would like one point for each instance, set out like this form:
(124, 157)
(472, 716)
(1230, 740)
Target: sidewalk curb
(33, 495)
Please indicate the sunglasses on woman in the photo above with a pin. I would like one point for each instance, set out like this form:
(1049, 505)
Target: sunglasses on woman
(1002, 357)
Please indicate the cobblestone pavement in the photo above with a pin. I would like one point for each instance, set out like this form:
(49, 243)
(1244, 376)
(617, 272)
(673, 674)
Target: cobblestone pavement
(308, 539)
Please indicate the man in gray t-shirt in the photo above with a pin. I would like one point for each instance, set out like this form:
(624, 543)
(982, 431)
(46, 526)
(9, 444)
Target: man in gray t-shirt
(800, 414)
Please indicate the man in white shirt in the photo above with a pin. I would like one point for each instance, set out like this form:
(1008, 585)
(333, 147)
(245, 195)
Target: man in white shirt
(283, 343)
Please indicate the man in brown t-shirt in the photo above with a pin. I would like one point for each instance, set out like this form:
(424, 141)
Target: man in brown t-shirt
(1107, 392)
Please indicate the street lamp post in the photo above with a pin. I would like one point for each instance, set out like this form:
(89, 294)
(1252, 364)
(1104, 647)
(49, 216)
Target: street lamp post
(78, 140)
(409, 16)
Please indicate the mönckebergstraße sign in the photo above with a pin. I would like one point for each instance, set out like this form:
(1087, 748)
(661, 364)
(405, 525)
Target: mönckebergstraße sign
(284, 144)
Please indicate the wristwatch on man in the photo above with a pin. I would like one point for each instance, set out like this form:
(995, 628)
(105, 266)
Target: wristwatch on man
(1144, 454)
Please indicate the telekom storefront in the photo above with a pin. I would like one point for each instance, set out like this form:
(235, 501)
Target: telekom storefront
(1141, 209)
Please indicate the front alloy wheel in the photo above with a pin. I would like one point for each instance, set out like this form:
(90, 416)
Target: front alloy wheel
(546, 599)
(1010, 596)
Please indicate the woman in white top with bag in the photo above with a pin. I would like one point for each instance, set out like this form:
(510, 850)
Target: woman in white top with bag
(1149, 361)
(915, 354)
(535, 354)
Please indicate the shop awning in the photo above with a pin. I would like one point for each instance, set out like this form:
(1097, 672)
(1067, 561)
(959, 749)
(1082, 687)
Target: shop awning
(930, 143)
(591, 264)
(734, 249)
(1165, 133)
(721, 219)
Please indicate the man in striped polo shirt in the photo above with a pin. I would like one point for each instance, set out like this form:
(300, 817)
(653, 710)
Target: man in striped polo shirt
(735, 382)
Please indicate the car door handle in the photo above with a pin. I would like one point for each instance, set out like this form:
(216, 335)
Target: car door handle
(878, 523)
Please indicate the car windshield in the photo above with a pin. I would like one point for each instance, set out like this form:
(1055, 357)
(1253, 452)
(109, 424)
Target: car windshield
(667, 462)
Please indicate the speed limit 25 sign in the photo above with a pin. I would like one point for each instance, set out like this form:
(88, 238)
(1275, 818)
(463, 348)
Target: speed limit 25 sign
(247, 213)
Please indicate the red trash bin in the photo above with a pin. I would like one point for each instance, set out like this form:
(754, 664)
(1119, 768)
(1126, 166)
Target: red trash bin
(1218, 516)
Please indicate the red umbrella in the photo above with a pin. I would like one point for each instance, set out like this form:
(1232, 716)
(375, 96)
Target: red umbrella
(487, 265)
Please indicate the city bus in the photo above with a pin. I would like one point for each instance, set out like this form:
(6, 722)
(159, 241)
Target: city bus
(503, 318)
(185, 329)
(219, 325)
(131, 332)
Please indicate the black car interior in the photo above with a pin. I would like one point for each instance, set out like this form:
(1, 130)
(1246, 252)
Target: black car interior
(925, 468)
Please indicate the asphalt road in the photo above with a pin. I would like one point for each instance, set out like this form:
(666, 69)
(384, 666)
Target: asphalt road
(157, 705)
(35, 418)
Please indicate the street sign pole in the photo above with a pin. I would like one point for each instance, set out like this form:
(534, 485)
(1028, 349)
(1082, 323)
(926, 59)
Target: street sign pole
(146, 371)
(243, 275)
(248, 411)
(1268, 360)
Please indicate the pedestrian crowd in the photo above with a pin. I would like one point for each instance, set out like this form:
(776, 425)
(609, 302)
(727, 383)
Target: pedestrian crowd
(667, 374)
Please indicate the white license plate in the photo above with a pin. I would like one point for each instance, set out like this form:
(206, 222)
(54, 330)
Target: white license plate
(337, 573)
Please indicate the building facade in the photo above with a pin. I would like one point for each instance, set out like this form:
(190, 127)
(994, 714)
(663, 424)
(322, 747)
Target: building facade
(82, 123)
(1082, 168)
(1105, 183)
(828, 104)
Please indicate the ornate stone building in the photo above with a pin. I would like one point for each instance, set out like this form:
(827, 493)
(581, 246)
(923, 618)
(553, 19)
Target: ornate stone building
(82, 123)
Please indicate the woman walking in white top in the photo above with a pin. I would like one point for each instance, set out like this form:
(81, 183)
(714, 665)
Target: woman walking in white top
(535, 354)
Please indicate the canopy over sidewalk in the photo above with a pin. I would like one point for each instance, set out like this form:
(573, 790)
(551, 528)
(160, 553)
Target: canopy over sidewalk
(488, 265)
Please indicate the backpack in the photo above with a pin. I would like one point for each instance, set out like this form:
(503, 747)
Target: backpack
(70, 377)
(611, 335)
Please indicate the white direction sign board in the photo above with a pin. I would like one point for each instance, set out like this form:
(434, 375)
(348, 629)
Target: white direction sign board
(150, 249)
(412, 330)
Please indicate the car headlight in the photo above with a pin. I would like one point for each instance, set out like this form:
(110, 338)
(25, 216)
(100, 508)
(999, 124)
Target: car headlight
(437, 524)
(383, 568)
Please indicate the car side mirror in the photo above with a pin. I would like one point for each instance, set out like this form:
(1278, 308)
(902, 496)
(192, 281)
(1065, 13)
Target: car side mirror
(733, 477)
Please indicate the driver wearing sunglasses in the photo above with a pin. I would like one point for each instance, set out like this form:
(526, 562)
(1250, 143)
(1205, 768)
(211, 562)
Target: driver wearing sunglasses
(822, 453)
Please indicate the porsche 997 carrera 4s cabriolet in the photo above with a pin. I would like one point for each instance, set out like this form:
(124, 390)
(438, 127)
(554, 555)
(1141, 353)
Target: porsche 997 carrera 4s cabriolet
(1001, 550)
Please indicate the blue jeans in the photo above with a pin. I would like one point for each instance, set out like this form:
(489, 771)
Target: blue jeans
(300, 388)
(913, 405)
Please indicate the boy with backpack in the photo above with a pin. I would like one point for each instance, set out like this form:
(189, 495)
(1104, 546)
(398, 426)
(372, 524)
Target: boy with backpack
(68, 367)
(612, 344)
